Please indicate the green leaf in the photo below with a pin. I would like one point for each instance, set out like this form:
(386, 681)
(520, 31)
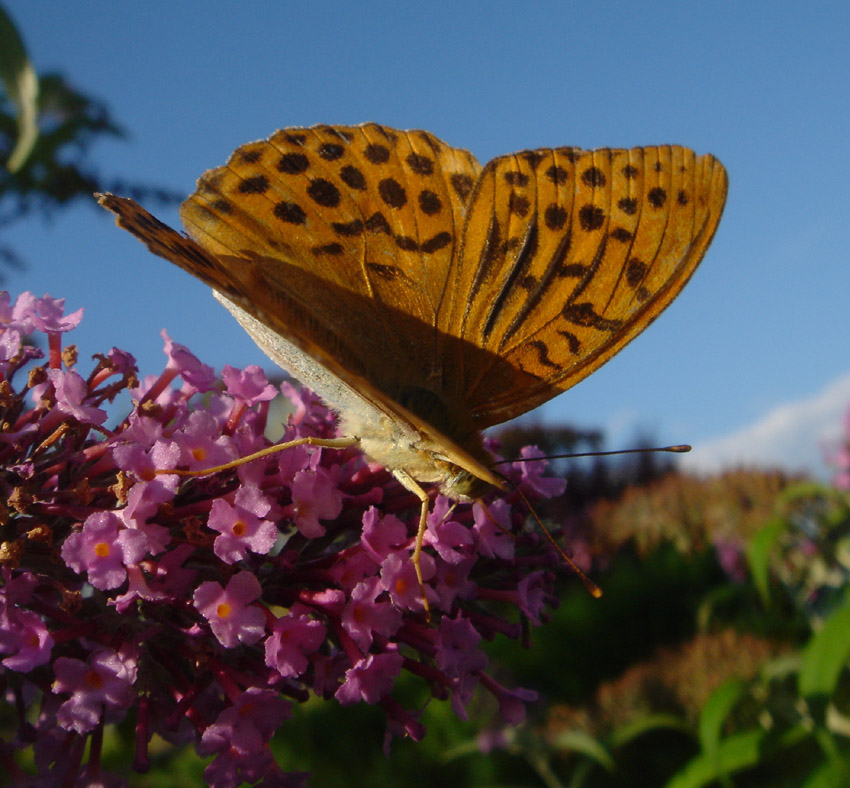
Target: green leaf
(781, 667)
(826, 654)
(833, 774)
(21, 84)
(583, 743)
(712, 601)
(758, 553)
(651, 722)
(714, 714)
(740, 751)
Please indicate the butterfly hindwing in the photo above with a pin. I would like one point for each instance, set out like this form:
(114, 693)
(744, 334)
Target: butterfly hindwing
(566, 256)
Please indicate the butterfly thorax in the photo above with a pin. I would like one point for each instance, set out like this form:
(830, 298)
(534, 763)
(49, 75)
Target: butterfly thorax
(427, 458)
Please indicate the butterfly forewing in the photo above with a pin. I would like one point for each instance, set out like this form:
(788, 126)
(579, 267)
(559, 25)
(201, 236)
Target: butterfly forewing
(356, 226)
(337, 201)
(566, 256)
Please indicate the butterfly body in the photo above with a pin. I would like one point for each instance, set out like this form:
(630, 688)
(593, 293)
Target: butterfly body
(394, 443)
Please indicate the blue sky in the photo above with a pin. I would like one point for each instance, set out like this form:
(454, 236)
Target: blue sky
(761, 328)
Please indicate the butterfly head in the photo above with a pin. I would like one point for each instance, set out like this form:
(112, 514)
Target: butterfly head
(462, 461)
(459, 484)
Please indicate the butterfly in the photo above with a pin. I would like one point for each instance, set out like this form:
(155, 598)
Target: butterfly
(425, 297)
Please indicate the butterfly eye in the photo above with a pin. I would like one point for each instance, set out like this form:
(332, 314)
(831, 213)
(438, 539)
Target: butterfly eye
(464, 486)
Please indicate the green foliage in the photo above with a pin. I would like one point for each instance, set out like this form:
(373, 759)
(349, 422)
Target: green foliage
(825, 656)
(47, 130)
(21, 86)
(759, 554)
(756, 691)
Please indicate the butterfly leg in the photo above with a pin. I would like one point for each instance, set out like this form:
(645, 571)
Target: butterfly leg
(411, 484)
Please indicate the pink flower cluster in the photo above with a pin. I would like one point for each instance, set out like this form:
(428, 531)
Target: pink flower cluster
(208, 605)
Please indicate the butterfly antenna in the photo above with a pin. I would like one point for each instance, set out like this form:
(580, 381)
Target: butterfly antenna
(594, 590)
(682, 448)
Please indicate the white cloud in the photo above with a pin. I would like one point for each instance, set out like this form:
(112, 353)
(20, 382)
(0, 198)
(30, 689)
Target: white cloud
(793, 436)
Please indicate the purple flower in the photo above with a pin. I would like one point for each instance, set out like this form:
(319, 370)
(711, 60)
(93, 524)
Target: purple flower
(452, 540)
(456, 642)
(10, 347)
(201, 443)
(241, 525)
(293, 638)
(315, 496)
(71, 391)
(532, 470)
(104, 682)
(370, 679)
(248, 724)
(140, 433)
(249, 384)
(351, 569)
(24, 635)
(16, 589)
(452, 582)
(382, 535)
(145, 461)
(459, 658)
(398, 579)
(229, 610)
(231, 768)
(511, 701)
(103, 549)
(364, 615)
(143, 504)
(6, 315)
(47, 314)
(300, 458)
(311, 416)
(170, 580)
(185, 363)
(493, 528)
(122, 362)
(531, 595)
(239, 737)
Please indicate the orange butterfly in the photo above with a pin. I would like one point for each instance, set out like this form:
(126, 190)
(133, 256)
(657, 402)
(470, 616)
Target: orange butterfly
(426, 298)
